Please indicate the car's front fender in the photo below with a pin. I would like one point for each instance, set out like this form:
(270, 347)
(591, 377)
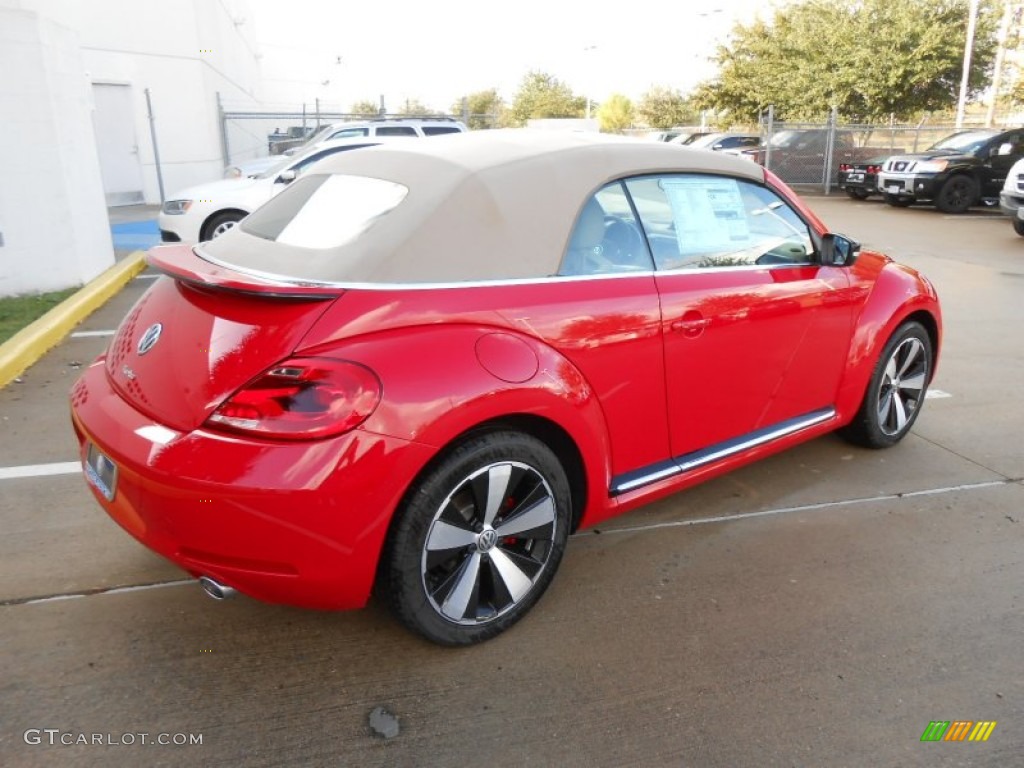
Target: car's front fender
(895, 293)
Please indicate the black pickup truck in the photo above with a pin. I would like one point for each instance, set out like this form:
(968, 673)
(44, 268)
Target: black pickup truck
(964, 169)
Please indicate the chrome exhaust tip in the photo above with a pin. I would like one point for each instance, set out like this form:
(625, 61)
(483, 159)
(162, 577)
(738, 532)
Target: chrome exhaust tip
(215, 590)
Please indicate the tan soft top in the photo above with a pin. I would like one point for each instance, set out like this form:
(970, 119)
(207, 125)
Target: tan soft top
(487, 205)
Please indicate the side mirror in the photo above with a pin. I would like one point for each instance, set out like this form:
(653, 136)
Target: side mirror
(285, 177)
(1006, 148)
(838, 251)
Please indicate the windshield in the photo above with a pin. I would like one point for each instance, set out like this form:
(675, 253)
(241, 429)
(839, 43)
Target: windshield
(969, 141)
(276, 168)
(786, 138)
(316, 138)
(706, 141)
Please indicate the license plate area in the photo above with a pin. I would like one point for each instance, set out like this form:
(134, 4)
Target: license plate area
(856, 177)
(101, 472)
(894, 189)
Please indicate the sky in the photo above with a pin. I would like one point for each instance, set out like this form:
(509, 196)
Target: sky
(435, 52)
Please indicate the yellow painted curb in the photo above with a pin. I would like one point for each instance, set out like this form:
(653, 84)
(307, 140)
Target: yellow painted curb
(33, 341)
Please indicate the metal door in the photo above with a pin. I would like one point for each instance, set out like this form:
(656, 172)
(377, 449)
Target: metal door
(114, 123)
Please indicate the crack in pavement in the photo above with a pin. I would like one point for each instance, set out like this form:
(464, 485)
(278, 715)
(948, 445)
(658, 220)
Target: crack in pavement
(802, 508)
(90, 592)
(959, 455)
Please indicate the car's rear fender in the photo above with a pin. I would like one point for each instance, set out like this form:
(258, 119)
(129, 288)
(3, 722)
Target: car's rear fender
(442, 382)
(897, 294)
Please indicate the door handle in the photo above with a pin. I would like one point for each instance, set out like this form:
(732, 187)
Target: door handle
(691, 324)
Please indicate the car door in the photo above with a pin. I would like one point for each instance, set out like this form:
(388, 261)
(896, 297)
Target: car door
(755, 331)
(998, 159)
(603, 314)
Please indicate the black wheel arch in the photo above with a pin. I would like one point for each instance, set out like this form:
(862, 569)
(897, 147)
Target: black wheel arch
(206, 223)
(931, 326)
(553, 435)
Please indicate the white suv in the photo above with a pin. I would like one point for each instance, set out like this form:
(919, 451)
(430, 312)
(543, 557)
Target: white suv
(412, 127)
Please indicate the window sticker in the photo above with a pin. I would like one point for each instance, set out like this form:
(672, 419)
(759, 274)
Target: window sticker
(707, 213)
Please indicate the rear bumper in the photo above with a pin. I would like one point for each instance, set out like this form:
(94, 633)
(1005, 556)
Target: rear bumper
(858, 180)
(295, 523)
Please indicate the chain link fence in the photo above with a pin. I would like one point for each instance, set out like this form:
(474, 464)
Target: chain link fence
(250, 134)
(809, 154)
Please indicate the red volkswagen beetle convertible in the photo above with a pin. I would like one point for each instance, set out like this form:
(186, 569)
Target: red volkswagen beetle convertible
(421, 368)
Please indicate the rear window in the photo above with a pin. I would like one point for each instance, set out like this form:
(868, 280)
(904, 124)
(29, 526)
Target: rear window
(324, 211)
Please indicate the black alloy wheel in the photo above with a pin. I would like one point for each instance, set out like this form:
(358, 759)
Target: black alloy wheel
(958, 194)
(896, 391)
(479, 539)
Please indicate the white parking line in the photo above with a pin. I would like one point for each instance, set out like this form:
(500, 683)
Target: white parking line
(147, 277)
(40, 470)
(91, 334)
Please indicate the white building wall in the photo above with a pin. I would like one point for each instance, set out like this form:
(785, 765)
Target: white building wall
(52, 214)
(53, 219)
(185, 53)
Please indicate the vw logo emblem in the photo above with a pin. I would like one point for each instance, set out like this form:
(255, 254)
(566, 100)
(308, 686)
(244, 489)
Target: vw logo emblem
(149, 338)
(486, 540)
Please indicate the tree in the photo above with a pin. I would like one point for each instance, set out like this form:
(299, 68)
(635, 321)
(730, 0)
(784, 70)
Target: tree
(415, 108)
(615, 114)
(485, 108)
(541, 95)
(661, 108)
(364, 108)
(869, 59)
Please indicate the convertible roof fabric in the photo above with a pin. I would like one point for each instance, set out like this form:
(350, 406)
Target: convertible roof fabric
(483, 206)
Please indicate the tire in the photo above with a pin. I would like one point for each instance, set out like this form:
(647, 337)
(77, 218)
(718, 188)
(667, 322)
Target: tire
(1018, 226)
(460, 567)
(898, 202)
(957, 195)
(896, 391)
(857, 194)
(220, 223)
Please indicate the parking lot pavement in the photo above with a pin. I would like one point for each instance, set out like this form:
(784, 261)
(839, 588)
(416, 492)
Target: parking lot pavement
(819, 608)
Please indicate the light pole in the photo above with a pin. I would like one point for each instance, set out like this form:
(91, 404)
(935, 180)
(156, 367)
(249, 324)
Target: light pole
(972, 22)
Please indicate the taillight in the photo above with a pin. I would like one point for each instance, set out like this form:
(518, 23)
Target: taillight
(845, 167)
(300, 399)
(874, 169)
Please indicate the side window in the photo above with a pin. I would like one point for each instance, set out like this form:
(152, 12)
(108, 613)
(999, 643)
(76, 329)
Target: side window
(350, 133)
(606, 238)
(696, 222)
(437, 130)
(1012, 145)
(396, 130)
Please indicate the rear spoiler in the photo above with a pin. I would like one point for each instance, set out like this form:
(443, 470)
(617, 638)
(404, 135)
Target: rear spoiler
(183, 263)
